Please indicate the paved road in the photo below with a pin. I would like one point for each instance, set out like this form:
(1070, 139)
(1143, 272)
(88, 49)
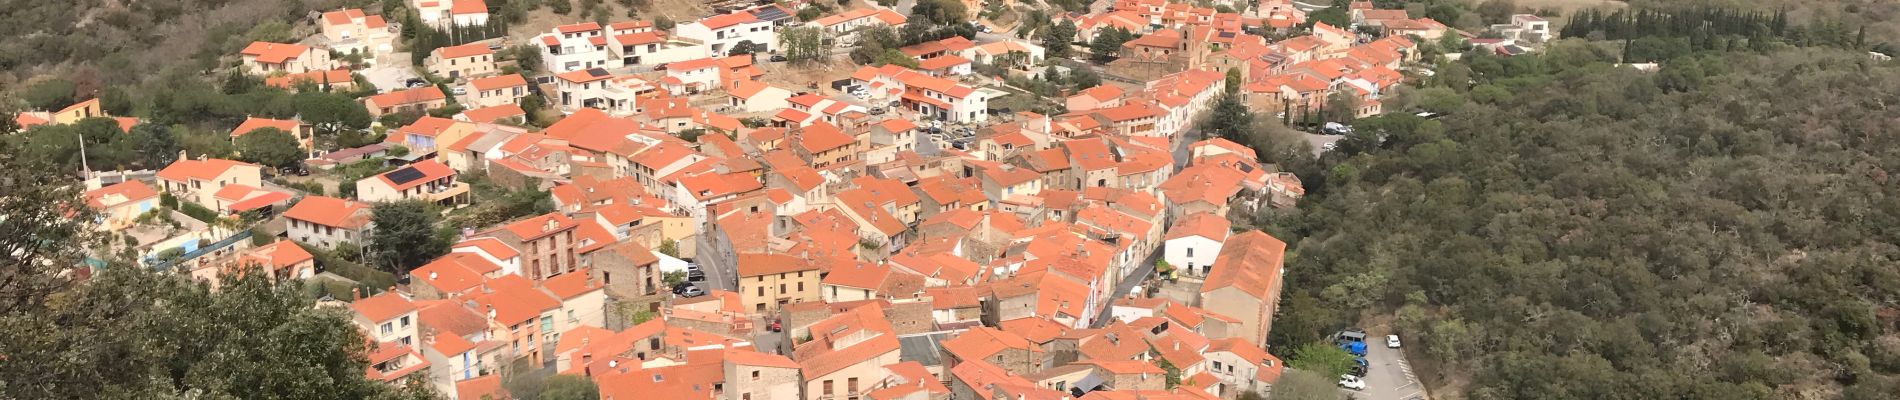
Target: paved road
(1319, 141)
(714, 256)
(1141, 274)
(1391, 377)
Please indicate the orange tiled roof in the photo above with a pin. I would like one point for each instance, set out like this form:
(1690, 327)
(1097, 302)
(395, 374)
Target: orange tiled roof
(273, 53)
(204, 170)
(119, 193)
(383, 307)
(330, 211)
(1250, 262)
(467, 50)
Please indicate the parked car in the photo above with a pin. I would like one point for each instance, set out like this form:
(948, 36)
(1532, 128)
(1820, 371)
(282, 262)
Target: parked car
(777, 58)
(1329, 146)
(877, 110)
(415, 82)
(1334, 128)
(1357, 370)
(459, 90)
(776, 326)
(1391, 341)
(1351, 335)
(1351, 382)
(695, 276)
(681, 287)
(692, 291)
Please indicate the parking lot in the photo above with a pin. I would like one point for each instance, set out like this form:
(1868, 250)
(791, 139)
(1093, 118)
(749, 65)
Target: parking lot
(1390, 376)
(389, 76)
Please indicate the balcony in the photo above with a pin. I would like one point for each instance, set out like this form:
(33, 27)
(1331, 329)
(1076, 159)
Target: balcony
(451, 193)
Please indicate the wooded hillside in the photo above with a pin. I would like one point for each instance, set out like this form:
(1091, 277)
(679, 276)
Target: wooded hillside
(1724, 228)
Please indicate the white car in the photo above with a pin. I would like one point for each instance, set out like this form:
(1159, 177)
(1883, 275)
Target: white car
(1351, 382)
(1329, 146)
(1391, 341)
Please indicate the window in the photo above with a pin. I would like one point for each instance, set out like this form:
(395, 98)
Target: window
(746, 396)
(827, 387)
(1217, 365)
(761, 291)
(387, 327)
(852, 385)
(801, 286)
(755, 375)
(1190, 252)
(781, 288)
(405, 321)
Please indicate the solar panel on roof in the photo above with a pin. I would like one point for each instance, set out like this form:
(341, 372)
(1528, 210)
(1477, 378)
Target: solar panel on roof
(404, 175)
(1246, 168)
(597, 72)
(770, 14)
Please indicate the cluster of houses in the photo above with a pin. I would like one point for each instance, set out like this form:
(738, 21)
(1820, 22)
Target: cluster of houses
(852, 245)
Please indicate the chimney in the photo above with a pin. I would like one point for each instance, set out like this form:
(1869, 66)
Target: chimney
(491, 311)
(356, 294)
(1177, 345)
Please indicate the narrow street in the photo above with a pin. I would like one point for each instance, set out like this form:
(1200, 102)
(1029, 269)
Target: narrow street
(714, 256)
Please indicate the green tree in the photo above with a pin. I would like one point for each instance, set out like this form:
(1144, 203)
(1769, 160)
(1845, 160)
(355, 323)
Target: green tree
(406, 235)
(940, 12)
(669, 247)
(1231, 119)
(742, 48)
(130, 332)
(1497, 11)
(1171, 375)
(201, 143)
(1084, 79)
(892, 56)
(50, 95)
(1322, 358)
(270, 147)
(330, 116)
(803, 45)
(1342, 107)
(1056, 39)
(570, 387)
(1297, 384)
(1108, 43)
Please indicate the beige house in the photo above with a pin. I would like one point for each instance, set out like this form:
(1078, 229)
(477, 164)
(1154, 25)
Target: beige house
(327, 221)
(387, 318)
(266, 58)
(845, 357)
(350, 31)
(767, 281)
(199, 181)
(496, 90)
(583, 301)
(418, 100)
(471, 60)
(427, 180)
(546, 243)
(120, 204)
(752, 375)
(1244, 283)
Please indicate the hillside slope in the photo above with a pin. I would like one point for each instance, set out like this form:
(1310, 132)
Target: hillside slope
(1722, 229)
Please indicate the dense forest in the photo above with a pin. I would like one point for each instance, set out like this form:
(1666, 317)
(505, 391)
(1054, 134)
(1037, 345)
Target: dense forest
(1723, 228)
